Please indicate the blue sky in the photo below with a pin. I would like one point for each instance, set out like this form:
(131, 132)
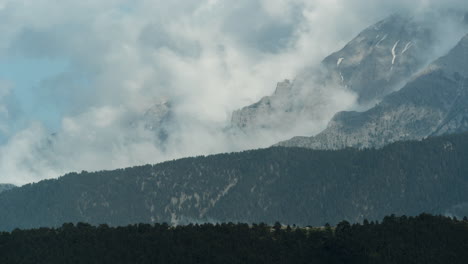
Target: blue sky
(26, 75)
(89, 70)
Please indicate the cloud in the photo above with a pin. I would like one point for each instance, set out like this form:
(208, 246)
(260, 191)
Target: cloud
(9, 111)
(5, 114)
(208, 57)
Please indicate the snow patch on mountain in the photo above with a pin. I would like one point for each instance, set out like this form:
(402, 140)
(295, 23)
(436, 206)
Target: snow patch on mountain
(394, 52)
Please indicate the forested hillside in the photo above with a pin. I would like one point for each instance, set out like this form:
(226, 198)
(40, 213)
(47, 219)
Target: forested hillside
(423, 239)
(290, 185)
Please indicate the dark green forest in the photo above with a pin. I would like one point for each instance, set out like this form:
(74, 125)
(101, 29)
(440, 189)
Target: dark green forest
(422, 239)
(290, 185)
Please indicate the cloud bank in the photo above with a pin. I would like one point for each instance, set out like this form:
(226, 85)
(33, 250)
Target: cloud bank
(207, 57)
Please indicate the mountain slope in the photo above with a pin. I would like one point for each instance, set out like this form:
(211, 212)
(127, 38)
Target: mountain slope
(380, 60)
(382, 57)
(434, 103)
(290, 185)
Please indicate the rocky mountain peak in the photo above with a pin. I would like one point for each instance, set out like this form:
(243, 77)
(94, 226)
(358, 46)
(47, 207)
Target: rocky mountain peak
(157, 114)
(283, 88)
(380, 60)
(256, 115)
(434, 102)
(157, 119)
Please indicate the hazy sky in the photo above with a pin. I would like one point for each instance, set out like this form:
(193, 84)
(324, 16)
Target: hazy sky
(74, 74)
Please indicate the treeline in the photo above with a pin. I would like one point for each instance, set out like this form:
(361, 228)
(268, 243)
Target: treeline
(421, 239)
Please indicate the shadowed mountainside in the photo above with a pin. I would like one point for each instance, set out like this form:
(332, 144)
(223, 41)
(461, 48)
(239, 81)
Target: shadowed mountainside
(290, 185)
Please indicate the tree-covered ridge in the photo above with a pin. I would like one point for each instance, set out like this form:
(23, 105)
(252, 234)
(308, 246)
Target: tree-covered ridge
(290, 185)
(422, 239)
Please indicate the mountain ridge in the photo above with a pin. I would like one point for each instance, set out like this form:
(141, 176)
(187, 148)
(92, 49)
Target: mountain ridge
(256, 186)
(377, 62)
(432, 103)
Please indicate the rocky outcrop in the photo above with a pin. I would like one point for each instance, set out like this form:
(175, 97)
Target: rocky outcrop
(157, 119)
(265, 112)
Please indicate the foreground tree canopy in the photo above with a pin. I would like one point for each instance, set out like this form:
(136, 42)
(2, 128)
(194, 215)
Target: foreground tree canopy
(421, 239)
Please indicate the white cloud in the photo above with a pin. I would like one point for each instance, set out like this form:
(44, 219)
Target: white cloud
(210, 57)
(9, 111)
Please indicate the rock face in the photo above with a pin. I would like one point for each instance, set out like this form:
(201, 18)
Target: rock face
(290, 185)
(435, 102)
(266, 112)
(6, 187)
(158, 119)
(380, 60)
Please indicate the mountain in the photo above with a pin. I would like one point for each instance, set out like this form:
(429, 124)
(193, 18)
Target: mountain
(433, 103)
(267, 108)
(6, 187)
(382, 57)
(290, 185)
(380, 60)
(157, 119)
